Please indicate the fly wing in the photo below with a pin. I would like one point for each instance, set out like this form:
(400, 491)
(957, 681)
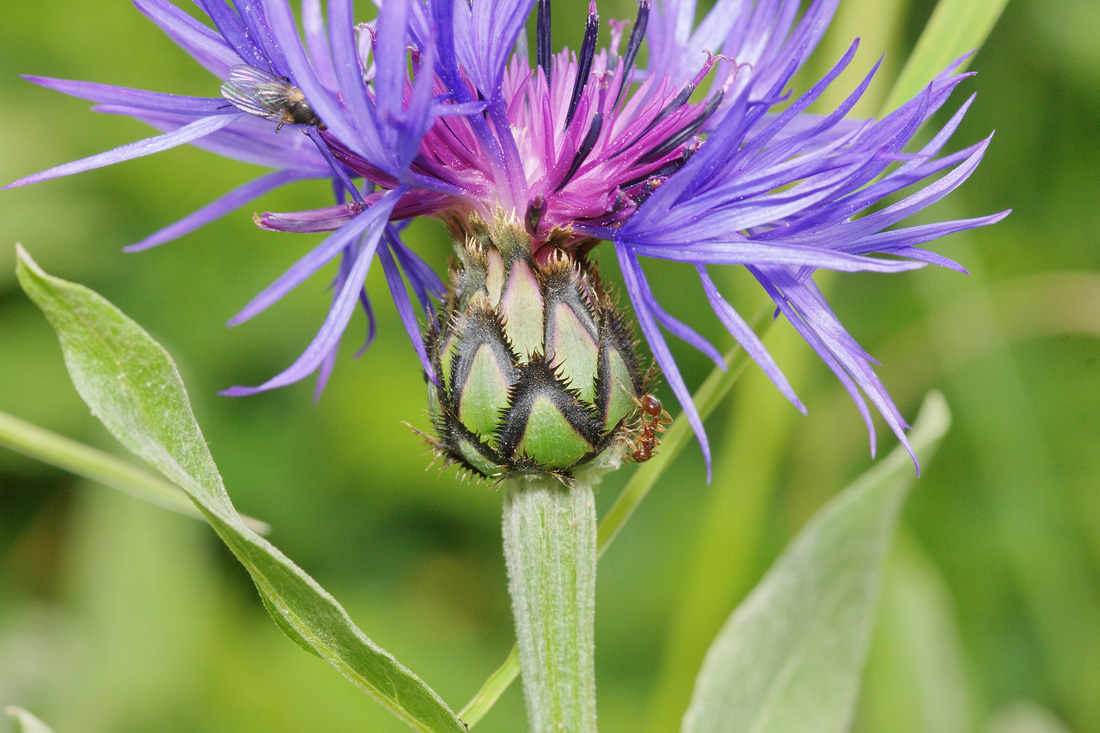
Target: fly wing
(256, 91)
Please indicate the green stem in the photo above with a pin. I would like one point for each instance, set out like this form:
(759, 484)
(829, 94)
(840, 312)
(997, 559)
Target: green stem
(550, 551)
(83, 460)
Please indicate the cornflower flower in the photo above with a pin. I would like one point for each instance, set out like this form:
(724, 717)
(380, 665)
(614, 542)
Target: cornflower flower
(435, 109)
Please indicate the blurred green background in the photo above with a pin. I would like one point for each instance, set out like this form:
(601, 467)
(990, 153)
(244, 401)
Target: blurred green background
(117, 616)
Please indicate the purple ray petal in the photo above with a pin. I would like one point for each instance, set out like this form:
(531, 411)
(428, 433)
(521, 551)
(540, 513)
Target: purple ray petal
(819, 328)
(372, 324)
(138, 98)
(897, 239)
(313, 28)
(204, 45)
(813, 301)
(819, 221)
(326, 104)
(247, 138)
(419, 114)
(347, 258)
(640, 298)
(687, 334)
(343, 306)
(318, 257)
(425, 282)
(811, 337)
(748, 339)
(232, 30)
(784, 118)
(343, 175)
(391, 54)
(932, 258)
(259, 32)
(786, 141)
(187, 133)
(928, 195)
(492, 31)
(324, 371)
(347, 69)
(231, 201)
(770, 253)
(328, 219)
(405, 310)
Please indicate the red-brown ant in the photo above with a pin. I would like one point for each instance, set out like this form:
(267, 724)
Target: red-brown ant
(652, 421)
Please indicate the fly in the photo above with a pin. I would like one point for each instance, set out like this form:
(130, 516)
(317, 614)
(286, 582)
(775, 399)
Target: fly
(263, 94)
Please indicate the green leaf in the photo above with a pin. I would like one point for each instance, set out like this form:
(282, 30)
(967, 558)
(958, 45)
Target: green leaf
(955, 28)
(133, 387)
(916, 674)
(27, 722)
(83, 460)
(790, 656)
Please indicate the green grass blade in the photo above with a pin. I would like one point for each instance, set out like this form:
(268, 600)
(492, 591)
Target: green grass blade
(83, 460)
(491, 691)
(956, 27)
(133, 387)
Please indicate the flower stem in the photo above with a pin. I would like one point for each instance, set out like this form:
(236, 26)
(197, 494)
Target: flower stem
(550, 551)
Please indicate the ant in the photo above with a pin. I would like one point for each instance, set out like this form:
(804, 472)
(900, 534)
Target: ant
(653, 420)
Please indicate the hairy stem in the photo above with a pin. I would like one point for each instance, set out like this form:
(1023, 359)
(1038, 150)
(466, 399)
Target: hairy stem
(550, 551)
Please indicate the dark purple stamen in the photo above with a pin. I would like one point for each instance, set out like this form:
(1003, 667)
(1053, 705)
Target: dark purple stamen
(674, 104)
(584, 59)
(543, 49)
(585, 148)
(664, 171)
(685, 133)
(637, 35)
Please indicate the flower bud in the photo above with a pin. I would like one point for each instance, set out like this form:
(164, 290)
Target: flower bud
(536, 370)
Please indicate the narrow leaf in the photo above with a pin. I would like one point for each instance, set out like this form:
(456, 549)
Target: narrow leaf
(83, 460)
(499, 681)
(133, 387)
(790, 656)
(955, 28)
